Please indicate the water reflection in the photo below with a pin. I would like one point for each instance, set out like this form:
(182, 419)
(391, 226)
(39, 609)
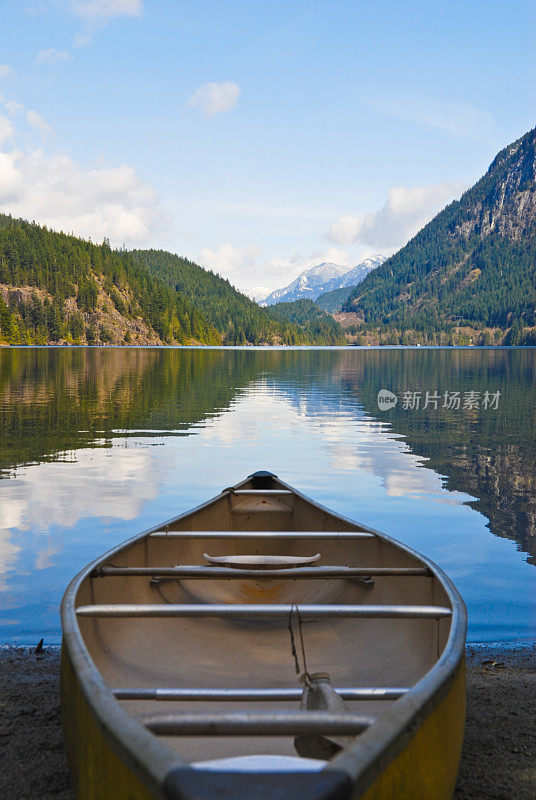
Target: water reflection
(54, 401)
(486, 453)
(98, 444)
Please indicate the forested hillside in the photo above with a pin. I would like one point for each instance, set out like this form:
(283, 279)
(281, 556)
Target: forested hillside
(60, 289)
(469, 276)
(238, 319)
(334, 300)
(315, 323)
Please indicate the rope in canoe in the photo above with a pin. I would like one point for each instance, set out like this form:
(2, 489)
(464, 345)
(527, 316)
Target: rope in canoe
(305, 679)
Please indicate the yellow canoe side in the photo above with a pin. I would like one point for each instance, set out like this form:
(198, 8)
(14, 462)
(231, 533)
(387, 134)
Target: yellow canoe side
(425, 770)
(428, 767)
(97, 771)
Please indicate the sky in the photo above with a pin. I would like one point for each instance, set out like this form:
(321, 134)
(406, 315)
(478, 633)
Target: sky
(257, 139)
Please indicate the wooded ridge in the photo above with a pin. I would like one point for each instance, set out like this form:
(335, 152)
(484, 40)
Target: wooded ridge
(57, 288)
(468, 277)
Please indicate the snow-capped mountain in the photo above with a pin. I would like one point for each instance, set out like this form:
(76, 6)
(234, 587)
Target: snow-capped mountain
(356, 274)
(323, 278)
(309, 283)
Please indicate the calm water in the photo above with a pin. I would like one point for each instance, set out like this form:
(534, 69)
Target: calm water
(97, 445)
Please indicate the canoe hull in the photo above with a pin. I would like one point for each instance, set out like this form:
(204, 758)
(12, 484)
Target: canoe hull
(428, 766)
(411, 752)
(97, 770)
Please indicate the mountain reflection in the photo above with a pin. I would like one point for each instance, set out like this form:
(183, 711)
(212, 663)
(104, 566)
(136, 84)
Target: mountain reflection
(55, 403)
(489, 454)
(486, 453)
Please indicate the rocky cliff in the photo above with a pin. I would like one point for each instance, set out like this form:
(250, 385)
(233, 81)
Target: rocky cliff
(470, 272)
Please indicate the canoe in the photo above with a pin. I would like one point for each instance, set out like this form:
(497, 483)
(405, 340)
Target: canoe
(258, 647)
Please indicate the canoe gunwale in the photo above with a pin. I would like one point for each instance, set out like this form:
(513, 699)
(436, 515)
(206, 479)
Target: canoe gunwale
(150, 759)
(390, 734)
(153, 761)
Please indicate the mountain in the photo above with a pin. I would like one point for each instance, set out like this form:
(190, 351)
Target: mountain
(309, 283)
(356, 274)
(56, 288)
(469, 276)
(312, 321)
(338, 291)
(323, 278)
(237, 319)
(333, 301)
(61, 289)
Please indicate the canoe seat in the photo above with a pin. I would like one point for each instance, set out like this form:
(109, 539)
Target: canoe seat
(262, 562)
(262, 763)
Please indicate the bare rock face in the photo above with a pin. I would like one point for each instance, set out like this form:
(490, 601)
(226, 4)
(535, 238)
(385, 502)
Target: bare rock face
(472, 267)
(509, 207)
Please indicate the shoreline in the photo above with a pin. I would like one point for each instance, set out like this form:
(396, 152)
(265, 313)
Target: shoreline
(498, 757)
(58, 346)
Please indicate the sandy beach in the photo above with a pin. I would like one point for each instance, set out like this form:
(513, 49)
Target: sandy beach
(498, 759)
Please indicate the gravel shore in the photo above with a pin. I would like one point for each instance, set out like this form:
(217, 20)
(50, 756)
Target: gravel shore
(498, 759)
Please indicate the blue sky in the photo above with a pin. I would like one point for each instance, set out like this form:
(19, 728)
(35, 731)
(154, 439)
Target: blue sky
(256, 138)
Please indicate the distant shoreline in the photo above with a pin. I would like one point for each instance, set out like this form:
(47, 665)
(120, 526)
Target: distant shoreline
(259, 347)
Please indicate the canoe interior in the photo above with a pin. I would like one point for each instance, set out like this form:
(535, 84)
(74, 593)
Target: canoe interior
(255, 654)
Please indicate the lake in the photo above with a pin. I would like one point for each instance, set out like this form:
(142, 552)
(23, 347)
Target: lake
(99, 444)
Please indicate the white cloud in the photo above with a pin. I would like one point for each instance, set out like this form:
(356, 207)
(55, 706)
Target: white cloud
(402, 216)
(345, 230)
(105, 201)
(114, 483)
(37, 122)
(11, 106)
(231, 261)
(84, 38)
(98, 13)
(5, 71)
(337, 256)
(6, 130)
(455, 118)
(104, 10)
(102, 482)
(8, 554)
(51, 56)
(11, 180)
(215, 98)
(56, 191)
(256, 277)
(97, 202)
